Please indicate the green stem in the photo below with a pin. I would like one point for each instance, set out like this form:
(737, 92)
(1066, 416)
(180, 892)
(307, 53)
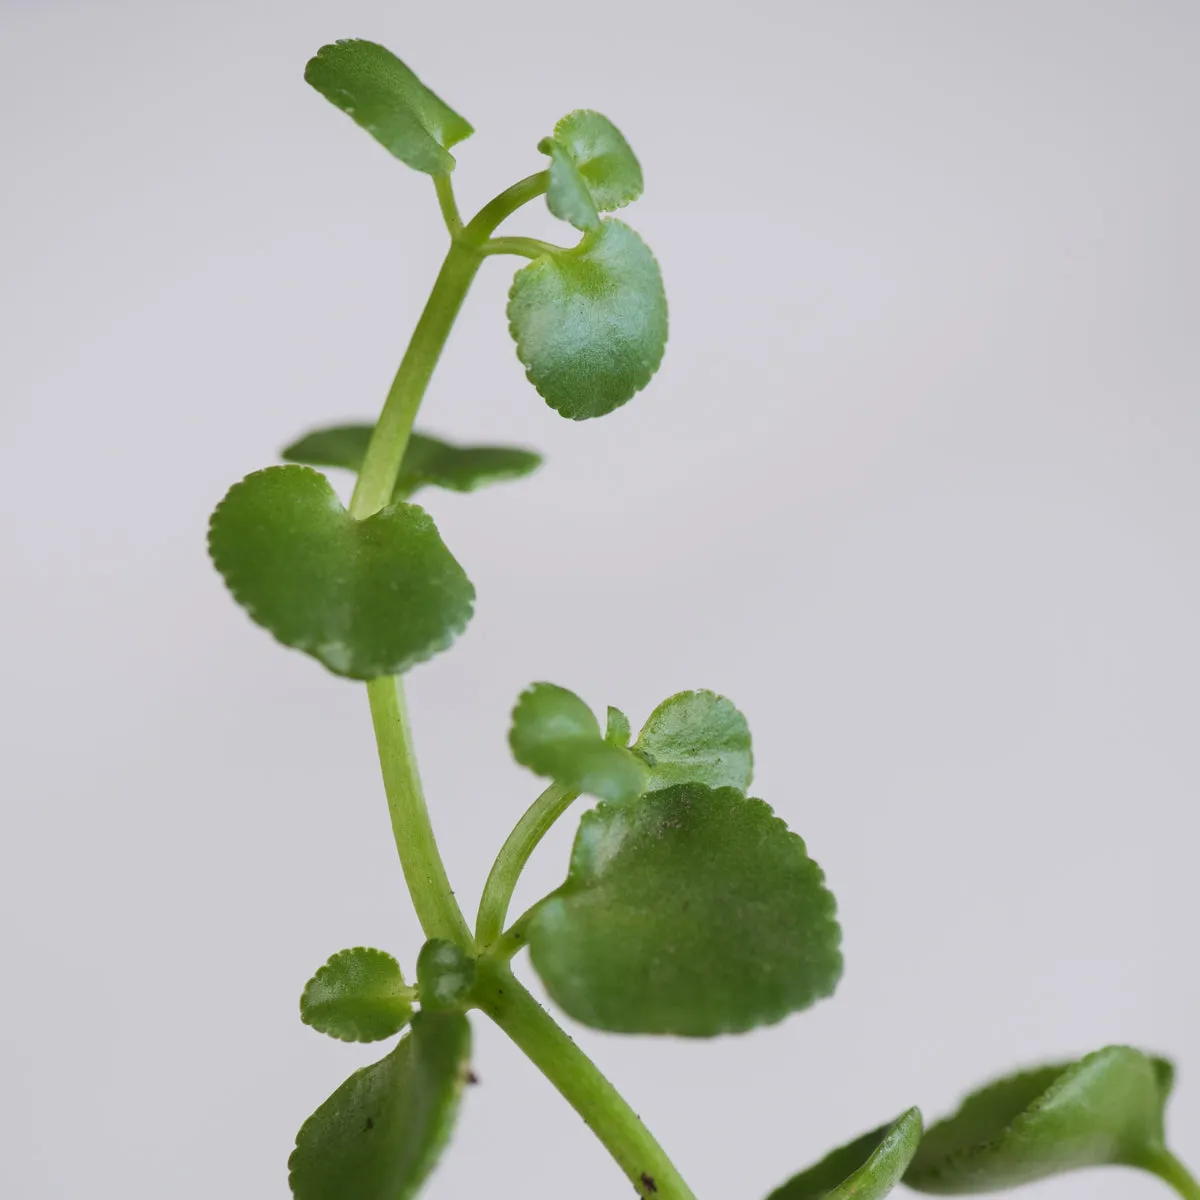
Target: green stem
(526, 247)
(514, 854)
(446, 202)
(484, 223)
(1168, 1168)
(424, 871)
(646, 1166)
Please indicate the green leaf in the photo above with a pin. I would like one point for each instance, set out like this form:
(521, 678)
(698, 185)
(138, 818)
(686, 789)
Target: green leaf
(617, 728)
(602, 158)
(359, 995)
(694, 911)
(697, 737)
(381, 1133)
(370, 84)
(867, 1169)
(556, 735)
(1105, 1108)
(428, 461)
(366, 598)
(445, 975)
(590, 323)
(567, 194)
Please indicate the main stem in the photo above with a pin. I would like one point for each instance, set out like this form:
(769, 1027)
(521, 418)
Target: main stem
(646, 1165)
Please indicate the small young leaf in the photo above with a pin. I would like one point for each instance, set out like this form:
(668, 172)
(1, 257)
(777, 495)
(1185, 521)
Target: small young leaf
(445, 974)
(602, 157)
(867, 1169)
(694, 911)
(556, 735)
(617, 728)
(370, 84)
(366, 598)
(1105, 1108)
(357, 996)
(590, 323)
(567, 194)
(697, 737)
(380, 1134)
(428, 461)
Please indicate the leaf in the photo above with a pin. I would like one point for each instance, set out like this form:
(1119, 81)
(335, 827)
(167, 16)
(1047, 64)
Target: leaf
(1105, 1108)
(381, 1133)
(617, 728)
(357, 996)
(556, 735)
(602, 157)
(694, 911)
(590, 323)
(366, 598)
(370, 84)
(867, 1169)
(428, 461)
(697, 737)
(445, 975)
(567, 194)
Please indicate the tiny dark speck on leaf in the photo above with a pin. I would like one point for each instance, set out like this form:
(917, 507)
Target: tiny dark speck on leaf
(648, 1183)
(370, 1123)
(471, 1077)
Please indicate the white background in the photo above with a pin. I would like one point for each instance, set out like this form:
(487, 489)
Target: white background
(916, 486)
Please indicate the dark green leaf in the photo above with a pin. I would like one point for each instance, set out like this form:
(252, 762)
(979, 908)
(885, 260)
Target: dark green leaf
(694, 911)
(567, 194)
(867, 1169)
(556, 735)
(617, 729)
(370, 84)
(358, 996)
(445, 975)
(428, 461)
(606, 165)
(366, 598)
(590, 323)
(380, 1134)
(697, 737)
(1105, 1108)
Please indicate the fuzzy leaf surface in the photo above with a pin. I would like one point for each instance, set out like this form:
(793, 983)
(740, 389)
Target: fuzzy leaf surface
(606, 164)
(697, 737)
(366, 598)
(693, 911)
(381, 1133)
(359, 995)
(1106, 1108)
(590, 323)
(371, 85)
(567, 194)
(866, 1169)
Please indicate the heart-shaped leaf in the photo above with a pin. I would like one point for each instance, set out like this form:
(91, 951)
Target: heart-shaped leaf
(380, 1134)
(697, 737)
(592, 169)
(556, 735)
(1105, 1108)
(428, 461)
(359, 995)
(867, 1169)
(366, 598)
(369, 83)
(694, 911)
(590, 323)
(445, 975)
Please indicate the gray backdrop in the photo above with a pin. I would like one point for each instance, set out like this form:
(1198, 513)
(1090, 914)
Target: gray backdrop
(916, 487)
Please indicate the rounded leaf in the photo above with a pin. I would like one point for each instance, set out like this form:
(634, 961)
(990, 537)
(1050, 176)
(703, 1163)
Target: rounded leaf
(359, 995)
(1105, 1108)
(697, 737)
(694, 911)
(369, 83)
(428, 461)
(590, 323)
(602, 157)
(567, 194)
(555, 734)
(867, 1169)
(445, 975)
(366, 598)
(380, 1134)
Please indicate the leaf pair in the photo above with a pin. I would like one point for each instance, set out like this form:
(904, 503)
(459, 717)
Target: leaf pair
(1105, 1109)
(688, 908)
